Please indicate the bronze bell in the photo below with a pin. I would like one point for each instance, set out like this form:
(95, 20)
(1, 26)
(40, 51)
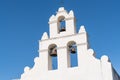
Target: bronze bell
(73, 50)
(53, 52)
(62, 29)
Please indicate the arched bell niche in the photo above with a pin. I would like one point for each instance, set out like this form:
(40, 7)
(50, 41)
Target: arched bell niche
(52, 50)
(62, 24)
(72, 53)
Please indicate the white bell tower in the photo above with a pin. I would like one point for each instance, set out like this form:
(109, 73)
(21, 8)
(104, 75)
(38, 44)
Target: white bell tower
(62, 24)
(62, 42)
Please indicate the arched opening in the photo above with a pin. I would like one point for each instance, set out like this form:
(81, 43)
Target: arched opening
(72, 51)
(53, 62)
(62, 26)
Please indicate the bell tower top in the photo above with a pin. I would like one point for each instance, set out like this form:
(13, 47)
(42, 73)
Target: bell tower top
(62, 24)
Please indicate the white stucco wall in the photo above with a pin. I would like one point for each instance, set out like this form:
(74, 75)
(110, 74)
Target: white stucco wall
(89, 67)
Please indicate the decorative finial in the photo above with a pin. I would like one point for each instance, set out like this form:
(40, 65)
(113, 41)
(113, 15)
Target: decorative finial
(45, 36)
(82, 29)
(105, 58)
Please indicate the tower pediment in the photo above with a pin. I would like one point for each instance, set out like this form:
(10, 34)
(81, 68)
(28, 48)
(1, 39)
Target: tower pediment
(62, 24)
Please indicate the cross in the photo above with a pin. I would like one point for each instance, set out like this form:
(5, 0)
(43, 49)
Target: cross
(61, 2)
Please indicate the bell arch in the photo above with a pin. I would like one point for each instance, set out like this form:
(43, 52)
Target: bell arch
(72, 53)
(53, 60)
(61, 24)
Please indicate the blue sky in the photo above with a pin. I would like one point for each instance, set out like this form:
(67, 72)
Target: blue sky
(22, 23)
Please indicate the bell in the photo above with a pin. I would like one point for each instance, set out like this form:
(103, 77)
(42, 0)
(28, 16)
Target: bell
(62, 29)
(53, 52)
(73, 50)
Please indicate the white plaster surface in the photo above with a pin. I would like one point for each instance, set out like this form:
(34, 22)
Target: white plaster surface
(89, 67)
